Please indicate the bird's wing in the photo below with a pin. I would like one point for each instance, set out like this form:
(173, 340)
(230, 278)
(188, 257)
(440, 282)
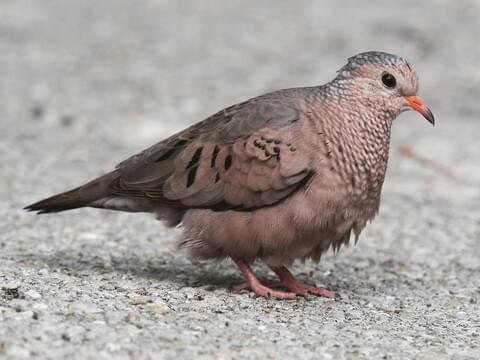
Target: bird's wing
(244, 157)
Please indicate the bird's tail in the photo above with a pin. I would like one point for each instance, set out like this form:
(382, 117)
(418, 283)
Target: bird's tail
(76, 198)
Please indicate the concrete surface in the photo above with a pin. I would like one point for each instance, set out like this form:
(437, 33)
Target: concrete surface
(76, 77)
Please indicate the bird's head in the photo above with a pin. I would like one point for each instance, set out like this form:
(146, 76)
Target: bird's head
(385, 80)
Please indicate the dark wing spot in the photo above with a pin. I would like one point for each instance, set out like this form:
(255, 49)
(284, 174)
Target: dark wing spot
(195, 157)
(171, 151)
(217, 178)
(216, 150)
(181, 143)
(166, 155)
(191, 176)
(276, 149)
(228, 162)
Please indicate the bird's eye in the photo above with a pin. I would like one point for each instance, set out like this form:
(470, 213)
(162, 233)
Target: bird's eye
(389, 80)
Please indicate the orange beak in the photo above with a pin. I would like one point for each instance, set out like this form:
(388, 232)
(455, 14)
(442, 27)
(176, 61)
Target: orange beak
(417, 104)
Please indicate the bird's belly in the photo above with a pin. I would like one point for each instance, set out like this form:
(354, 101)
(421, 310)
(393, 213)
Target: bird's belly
(325, 220)
(299, 227)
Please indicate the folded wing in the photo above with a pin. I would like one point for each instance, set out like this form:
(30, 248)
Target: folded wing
(243, 157)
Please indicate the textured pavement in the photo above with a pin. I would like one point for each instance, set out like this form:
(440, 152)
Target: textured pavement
(84, 84)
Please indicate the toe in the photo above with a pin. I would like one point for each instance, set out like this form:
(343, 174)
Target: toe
(282, 295)
(321, 292)
(268, 293)
(261, 290)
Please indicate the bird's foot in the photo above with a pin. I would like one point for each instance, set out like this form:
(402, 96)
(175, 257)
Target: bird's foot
(264, 291)
(256, 286)
(302, 289)
(287, 280)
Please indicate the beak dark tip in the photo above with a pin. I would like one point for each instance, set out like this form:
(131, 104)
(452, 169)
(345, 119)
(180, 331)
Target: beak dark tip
(430, 118)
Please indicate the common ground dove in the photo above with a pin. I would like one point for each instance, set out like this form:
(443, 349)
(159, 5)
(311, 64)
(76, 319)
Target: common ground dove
(282, 176)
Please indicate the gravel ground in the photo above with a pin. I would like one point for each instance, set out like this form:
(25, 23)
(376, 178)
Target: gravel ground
(86, 83)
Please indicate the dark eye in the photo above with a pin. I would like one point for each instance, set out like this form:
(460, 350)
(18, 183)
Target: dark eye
(389, 80)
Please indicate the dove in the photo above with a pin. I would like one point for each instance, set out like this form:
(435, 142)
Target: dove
(279, 177)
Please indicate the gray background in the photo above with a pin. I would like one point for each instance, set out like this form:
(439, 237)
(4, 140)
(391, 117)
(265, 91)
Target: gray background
(84, 84)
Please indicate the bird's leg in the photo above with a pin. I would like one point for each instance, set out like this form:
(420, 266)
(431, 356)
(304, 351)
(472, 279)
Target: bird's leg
(288, 281)
(256, 286)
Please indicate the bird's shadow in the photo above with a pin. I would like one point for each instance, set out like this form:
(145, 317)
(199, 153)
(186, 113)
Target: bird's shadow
(176, 269)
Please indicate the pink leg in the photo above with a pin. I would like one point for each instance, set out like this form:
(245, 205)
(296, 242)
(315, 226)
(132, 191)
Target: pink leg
(256, 286)
(288, 280)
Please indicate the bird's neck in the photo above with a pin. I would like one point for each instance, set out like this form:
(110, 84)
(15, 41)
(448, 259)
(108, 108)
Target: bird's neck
(367, 140)
(357, 138)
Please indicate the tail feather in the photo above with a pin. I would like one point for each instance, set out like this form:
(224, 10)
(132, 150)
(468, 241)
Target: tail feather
(76, 198)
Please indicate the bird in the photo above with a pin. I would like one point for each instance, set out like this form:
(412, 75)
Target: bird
(280, 177)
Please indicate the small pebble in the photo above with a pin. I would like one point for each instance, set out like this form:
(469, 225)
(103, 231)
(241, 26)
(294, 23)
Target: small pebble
(37, 111)
(32, 294)
(40, 306)
(43, 272)
(158, 308)
(17, 352)
(132, 317)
